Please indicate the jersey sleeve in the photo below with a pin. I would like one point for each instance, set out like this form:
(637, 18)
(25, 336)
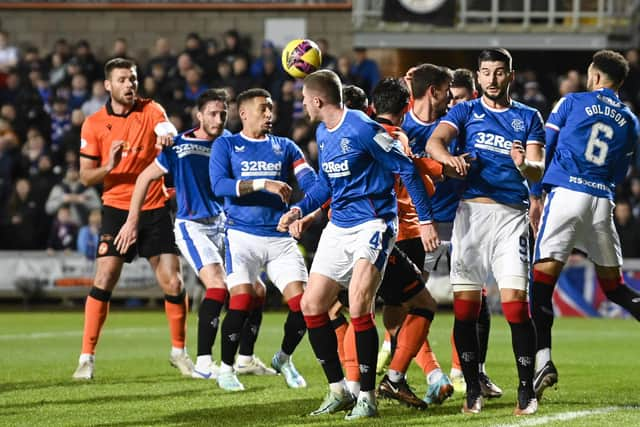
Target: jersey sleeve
(305, 175)
(161, 124)
(220, 173)
(316, 196)
(457, 116)
(89, 143)
(388, 152)
(557, 119)
(165, 159)
(536, 129)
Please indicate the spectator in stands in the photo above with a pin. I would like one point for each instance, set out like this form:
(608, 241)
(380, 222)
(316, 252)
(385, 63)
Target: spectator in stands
(99, 97)
(328, 60)
(79, 91)
(163, 57)
(32, 150)
(9, 164)
(120, 49)
(630, 90)
(233, 47)
(534, 98)
(70, 192)
(58, 70)
(71, 139)
(88, 235)
(628, 229)
(62, 49)
(271, 78)
(22, 215)
(283, 120)
(241, 79)
(194, 85)
(60, 124)
(194, 47)
(87, 62)
(224, 76)
(365, 69)
(345, 71)
(31, 61)
(634, 198)
(64, 232)
(267, 53)
(211, 59)
(9, 54)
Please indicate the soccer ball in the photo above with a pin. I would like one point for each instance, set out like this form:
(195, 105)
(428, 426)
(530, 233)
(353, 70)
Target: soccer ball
(301, 57)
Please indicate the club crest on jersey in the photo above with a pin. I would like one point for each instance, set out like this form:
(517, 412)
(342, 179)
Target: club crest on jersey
(275, 146)
(239, 149)
(345, 145)
(517, 125)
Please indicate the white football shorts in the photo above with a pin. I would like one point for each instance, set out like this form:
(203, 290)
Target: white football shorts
(339, 248)
(201, 242)
(571, 219)
(248, 254)
(490, 241)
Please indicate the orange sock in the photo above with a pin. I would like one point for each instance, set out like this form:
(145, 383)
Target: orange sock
(426, 358)
(95, 313)
(176, 308)
(413, 334)
(455, 360)
(340, 333)
(351, 355)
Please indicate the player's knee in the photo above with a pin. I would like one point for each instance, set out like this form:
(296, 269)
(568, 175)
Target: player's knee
(172, 285)
(106, 280)
(516, 311)
(466, 310)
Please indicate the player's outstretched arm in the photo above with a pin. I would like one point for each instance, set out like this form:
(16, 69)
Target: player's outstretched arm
(437, 149)
(128, 233)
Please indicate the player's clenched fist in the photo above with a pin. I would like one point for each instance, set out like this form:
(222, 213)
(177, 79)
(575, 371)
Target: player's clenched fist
(287, 219)
(518, 155)
(280, 188)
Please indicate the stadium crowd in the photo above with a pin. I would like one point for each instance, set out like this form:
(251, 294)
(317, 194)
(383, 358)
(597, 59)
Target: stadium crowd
(46, 96)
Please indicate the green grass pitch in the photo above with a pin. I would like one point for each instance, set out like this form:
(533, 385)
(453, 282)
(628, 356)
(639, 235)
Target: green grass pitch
(597, 360)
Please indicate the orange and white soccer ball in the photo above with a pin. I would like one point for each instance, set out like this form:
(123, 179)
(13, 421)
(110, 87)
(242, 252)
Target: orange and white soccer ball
(301, 57)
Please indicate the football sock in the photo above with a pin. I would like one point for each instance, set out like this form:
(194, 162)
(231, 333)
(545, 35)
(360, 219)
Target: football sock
(523, 340)
(395, 376)
(294, 326)
(251, 327)
(340, 326)
(353, 387)
(366, 349)
(542, 306)
(351, 356)
(237, 313)
(466, 338)
(175, 307)
(455, 360)
(325, 346)
(484, 325)
(412, 335)
(96, 309)
(426, 358)
(209, 318)
(543, 355)
(622, 295)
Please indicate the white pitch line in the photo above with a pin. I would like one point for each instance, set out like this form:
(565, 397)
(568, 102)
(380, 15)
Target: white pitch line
(76, 333)
(566, 416)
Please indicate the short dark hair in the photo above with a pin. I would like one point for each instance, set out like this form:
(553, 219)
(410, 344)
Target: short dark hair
(613, 64)
(426, 75)
(250, 94)
(390, 96)
(354, 97)
(463, 77)
(328, 83)
(114, 63)
(210, 95)
(496, 54)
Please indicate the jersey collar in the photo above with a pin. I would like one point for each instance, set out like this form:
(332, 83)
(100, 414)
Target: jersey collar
(110, 111)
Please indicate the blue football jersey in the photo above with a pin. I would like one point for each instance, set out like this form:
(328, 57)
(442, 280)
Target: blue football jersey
(488, 134)
(448, 192)
(358, 159)
(187, 160)
(591, 137)
(238, 158)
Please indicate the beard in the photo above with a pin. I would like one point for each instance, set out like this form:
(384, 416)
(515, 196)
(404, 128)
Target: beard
(503, 92)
